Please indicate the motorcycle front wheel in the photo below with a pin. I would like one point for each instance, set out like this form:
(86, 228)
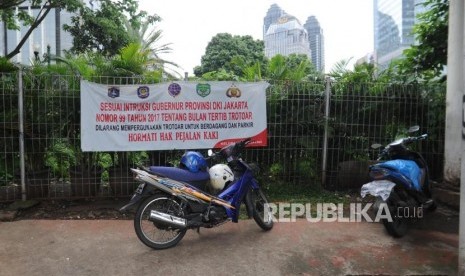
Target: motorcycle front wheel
(153, 234)
(261, 211)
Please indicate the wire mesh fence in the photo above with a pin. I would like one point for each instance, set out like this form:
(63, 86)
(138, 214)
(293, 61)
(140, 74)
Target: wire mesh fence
(358, 114)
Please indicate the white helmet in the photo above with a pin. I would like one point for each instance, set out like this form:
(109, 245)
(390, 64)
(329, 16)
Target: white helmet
(220, 174)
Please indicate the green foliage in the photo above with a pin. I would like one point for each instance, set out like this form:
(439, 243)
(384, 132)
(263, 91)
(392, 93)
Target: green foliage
(249, 72)
(149, 41)
(82, 64)
(174, 159)
(132, 61)
(277, 68)
(49, 100)
(224, 48)
(240, 58)
(295, 67)
(60, 157)
(280, 192)
(427, 58)
(307, 168)
(356, 147)
(339, 69)
(138, 158)
(6, 66)
(221, 75)
(395, 131)
(436, 115)
(276, 170)
(125, 159)
(103, 29)
(7, 166)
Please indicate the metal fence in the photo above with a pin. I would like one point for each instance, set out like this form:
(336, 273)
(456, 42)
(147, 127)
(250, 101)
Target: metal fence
(319, 136)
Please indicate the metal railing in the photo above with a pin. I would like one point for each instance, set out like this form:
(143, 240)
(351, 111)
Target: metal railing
(319, 136)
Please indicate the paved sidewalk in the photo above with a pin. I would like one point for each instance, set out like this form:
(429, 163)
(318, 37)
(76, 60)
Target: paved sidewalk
(110, 247)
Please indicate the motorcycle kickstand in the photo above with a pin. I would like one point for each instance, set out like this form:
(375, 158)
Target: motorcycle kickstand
(198, 230)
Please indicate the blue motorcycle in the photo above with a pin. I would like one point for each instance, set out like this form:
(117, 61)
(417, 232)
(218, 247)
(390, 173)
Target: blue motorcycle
(401, 184)
(172, 200)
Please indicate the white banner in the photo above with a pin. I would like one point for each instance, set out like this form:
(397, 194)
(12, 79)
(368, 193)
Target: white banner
(178, 115)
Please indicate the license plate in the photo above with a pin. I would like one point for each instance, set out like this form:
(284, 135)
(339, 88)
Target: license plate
(140, 189)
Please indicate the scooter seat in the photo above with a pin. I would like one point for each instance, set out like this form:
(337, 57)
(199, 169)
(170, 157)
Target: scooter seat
(197, 179)
(409, 169)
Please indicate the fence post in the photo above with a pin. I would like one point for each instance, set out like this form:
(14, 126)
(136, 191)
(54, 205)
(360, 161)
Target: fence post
(325, 137)
(21, 133)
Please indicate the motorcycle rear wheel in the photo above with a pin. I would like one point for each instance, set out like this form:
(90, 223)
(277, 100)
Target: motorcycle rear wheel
(398, 227)
(155, 235)
(261, 212)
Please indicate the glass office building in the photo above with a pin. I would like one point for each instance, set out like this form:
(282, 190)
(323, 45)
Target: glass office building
(393, 25)
(272, 16)
(284, 34)
(316, 40)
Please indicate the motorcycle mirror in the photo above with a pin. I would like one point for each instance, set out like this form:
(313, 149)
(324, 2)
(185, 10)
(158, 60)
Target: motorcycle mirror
(413, 129)
(210, 152)
(376, 146)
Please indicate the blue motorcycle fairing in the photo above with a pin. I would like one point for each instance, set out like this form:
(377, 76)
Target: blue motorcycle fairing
(406, 168)
(197, 179)
(235, 193)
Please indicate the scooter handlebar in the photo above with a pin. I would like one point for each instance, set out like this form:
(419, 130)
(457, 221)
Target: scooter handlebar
(406, 141)
(421, 137)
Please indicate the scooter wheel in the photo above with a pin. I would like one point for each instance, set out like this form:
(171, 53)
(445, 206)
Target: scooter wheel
(261, 211)
(398, 227)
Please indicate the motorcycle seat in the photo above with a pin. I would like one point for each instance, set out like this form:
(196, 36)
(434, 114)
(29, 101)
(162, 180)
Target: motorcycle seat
(197, 179)
(409, 169)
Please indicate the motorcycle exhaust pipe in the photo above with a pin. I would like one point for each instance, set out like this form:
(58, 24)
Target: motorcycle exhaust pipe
(167, 220)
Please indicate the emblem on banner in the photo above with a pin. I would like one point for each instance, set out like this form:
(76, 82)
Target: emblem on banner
(203, 89)
(233, 91)
(174, 89)
(113, 92)
(143, 92)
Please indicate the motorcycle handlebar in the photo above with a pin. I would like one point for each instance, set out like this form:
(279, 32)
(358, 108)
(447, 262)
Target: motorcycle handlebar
(406, 141)
(413, 139)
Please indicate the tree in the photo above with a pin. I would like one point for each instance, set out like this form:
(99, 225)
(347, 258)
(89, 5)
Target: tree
(11, 18)
(148, 37)
(224, 47)
(295, 67)
(362, 73)
(6, 4)
(429, 56)
(302, 68)
(131, 61)
(103, 29)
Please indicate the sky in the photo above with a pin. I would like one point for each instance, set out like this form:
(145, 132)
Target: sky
(190, 25)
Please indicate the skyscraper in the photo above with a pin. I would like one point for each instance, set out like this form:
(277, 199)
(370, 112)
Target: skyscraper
(284, 35)
(316, 40)
(272, 16)
(393, 24)
(49, 33)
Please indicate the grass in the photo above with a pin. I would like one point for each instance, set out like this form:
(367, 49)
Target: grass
(304, 194)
